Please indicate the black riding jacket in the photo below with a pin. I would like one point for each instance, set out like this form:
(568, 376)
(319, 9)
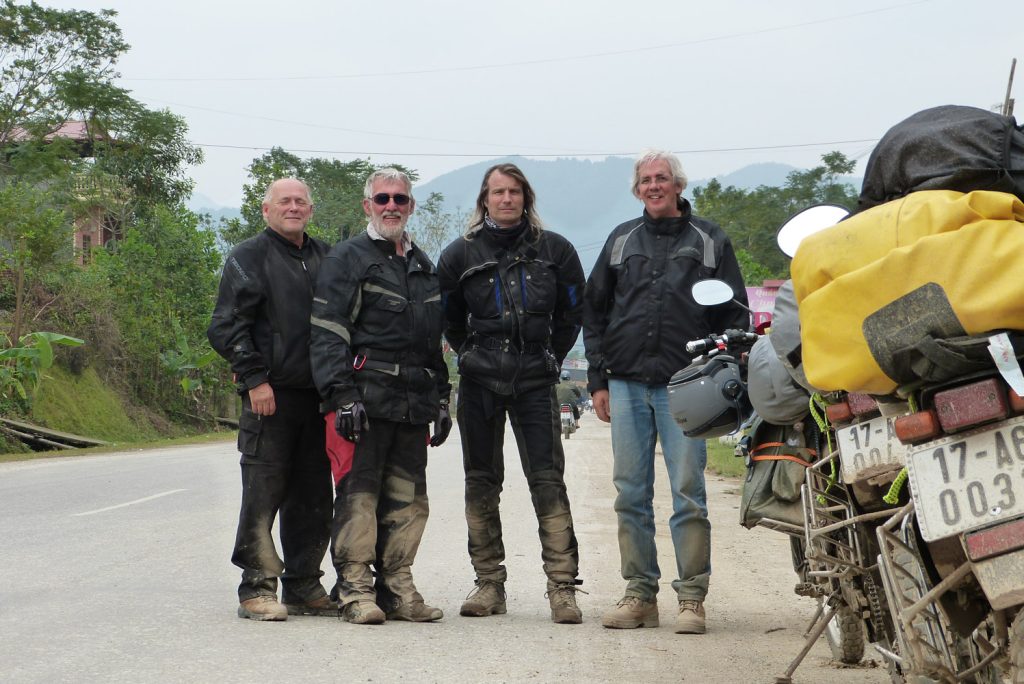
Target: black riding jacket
(512, 314)
(260, 322)
(376, 330)
(639, 311)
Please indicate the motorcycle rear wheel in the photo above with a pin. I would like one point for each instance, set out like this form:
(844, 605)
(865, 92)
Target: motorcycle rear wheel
(845, 636)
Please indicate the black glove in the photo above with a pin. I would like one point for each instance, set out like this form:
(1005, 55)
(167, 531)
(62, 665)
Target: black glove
(350, 421)
(442, 426)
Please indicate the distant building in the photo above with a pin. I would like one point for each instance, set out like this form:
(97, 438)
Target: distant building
(95, 224)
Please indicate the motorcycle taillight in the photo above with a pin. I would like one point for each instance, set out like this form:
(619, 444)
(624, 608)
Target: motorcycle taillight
(968, 405)
(917, 427)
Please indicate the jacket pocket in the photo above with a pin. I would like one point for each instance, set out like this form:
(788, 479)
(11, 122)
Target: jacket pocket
(249, 428)
(539, 288)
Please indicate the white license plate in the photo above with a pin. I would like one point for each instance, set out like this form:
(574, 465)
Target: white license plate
(968, 480)
(869, 448)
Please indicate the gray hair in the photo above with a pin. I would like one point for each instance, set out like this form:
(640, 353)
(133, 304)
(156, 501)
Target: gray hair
(270, 188)
(389, 174)
(650, 155)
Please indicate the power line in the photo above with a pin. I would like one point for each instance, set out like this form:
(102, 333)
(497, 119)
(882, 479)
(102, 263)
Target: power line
(581, 154)
(534, 62)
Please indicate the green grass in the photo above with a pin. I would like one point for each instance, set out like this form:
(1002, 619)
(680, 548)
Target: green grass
(721, 460)
(84, 405)
(227, 435)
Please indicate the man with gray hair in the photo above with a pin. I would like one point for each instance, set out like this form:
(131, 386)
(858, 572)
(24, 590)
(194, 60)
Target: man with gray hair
(638, 313)
(377, 361)
(261, 326)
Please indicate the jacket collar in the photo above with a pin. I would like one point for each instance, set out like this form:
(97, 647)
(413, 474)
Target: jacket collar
(671, 224)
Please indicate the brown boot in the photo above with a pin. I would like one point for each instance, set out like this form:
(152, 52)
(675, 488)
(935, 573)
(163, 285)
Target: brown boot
(363, 613)
(488, 598)
(321, 606)
(415, 611)
(632, 612)
(691, 617)
(262, 608)
(562, 597)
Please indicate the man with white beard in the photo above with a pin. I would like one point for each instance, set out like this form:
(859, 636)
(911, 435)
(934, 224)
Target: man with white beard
(377, 362)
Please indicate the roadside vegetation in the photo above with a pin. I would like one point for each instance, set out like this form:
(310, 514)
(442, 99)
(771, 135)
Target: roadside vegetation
(107, 280)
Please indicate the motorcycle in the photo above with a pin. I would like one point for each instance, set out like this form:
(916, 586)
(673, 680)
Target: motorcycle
(938, 467)
(568, 420)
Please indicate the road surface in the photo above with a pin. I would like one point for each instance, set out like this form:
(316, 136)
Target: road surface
(116, 569)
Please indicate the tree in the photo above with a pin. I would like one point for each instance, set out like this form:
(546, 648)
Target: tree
(48, 58)
(337, 194)
(752, 217)
(32, 232)
(433, 227)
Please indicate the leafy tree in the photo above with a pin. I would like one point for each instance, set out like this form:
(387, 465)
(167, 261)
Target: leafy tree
(32, 232)
(22, 365)
(752, 217)
(433, 227)
(337, 194)
(162, 280)
(48, 59)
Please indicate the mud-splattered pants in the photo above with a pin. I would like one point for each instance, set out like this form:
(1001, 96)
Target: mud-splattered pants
(380, 512)
(537, 428)
(284, 470)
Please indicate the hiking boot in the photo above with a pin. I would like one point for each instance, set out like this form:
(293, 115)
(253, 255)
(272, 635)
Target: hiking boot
(562, 597)
(487, 598)
(321, 606)
(363, 613)
(632, 612)
(415, 611)
(691, 617)
(263, 607)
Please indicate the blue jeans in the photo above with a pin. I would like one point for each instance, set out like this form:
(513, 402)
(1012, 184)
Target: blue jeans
(640, 417)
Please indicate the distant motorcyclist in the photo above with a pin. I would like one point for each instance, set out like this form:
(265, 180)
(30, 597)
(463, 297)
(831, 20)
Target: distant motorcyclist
(569, 393)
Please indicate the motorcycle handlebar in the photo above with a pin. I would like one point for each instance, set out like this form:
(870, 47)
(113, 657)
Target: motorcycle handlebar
(723, 341)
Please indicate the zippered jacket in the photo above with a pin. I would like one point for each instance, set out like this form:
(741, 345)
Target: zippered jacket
(376, 334)
(512, 314)
(640, 312)
(260, 322)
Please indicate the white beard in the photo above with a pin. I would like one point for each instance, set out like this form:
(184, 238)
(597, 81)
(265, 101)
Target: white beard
(386, 231)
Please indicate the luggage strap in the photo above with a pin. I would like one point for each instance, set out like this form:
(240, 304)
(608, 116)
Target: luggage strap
(754, 456)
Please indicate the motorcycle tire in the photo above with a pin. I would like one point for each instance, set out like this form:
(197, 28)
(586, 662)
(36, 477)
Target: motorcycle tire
(845, 636)
(565, 433)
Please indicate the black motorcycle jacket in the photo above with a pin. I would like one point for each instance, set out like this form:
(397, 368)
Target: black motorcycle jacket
(376, 331)
(260, 322)
(639, 311)
(512, 314)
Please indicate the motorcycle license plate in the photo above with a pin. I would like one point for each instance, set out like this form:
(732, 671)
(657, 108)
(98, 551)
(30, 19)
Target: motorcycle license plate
(968, 480)
(869, 448)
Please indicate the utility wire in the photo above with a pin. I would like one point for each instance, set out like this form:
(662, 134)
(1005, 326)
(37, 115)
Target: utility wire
(533, 62)
(582, 154)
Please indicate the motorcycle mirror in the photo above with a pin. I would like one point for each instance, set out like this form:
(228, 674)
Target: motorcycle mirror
(807, 222)
(713, 291)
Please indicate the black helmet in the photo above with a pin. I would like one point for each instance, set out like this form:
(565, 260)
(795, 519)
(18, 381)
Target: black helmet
(565, 375)
(708, 398)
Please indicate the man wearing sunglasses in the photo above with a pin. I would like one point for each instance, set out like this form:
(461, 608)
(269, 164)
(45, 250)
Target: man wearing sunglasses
(261, 326)
(377, 361)
(513, 304)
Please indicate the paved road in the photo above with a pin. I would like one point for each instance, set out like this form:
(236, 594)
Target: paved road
(116, 569)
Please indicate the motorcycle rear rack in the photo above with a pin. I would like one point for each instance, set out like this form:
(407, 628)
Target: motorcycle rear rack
(921, 635)
(831, 531)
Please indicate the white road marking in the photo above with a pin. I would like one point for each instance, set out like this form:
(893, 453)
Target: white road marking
(129, 503)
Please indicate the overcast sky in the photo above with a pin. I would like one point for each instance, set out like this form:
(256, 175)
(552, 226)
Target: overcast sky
(442, 84)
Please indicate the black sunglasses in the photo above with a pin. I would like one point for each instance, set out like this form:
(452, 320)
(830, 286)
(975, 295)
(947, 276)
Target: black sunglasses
(382, 199)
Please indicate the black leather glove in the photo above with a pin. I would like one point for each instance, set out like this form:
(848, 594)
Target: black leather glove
(442, 426)
(350, 421)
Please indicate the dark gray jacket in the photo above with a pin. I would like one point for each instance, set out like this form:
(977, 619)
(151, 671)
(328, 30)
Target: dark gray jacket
(639, 311)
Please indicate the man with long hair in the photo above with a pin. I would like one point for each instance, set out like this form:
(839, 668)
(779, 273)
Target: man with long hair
(513, 297)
